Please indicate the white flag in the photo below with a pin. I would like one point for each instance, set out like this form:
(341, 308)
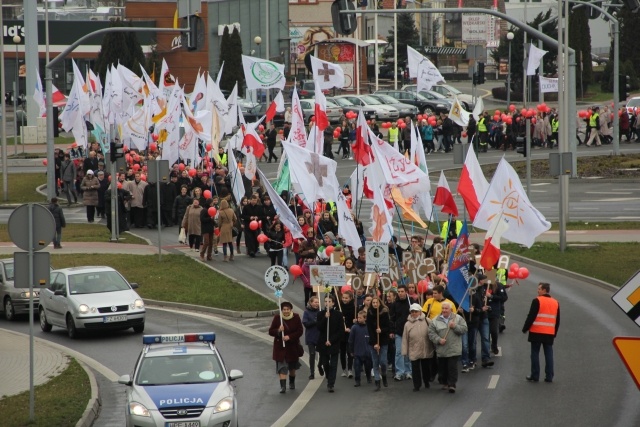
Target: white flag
(263, 74)
(478, 109)
(315, 174)
(548, 85)
(237, 185)
(413, 59)
(421, 201)
(282, 209)
(421, 68)
(298, 133)
(458, 114)
(506, 197)
(327, 75)
(38, 95)
(346, 226)
(535, 56)
(381, 228)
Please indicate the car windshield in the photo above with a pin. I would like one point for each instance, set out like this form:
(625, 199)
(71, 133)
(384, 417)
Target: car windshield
(452, 89)
(370, 100)
(164, 370)
(343, 102)
(388, 99)
(331, 104)
(633, 102)
(434, 95)
(8, 270)
(97, 282)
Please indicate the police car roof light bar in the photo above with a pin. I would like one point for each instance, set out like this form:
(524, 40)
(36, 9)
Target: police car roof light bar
(179, 338)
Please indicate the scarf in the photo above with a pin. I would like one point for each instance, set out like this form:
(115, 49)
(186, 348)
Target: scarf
(289, 317)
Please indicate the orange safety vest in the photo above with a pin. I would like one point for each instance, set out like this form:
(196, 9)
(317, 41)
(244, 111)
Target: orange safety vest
(545, 322)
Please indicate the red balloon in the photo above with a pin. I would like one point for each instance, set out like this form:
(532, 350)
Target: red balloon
(523, 273)
(338, 129)
(155, 136)
(253, 225)
(144, 168)
(509, 120)
(336, 134)
(524, 112)
(119, 186)
(216, 231)
(153, 146)
(181, 167)
(346, 288)
(517, 119)
(533, 120)
(143, 177)
(208, 147)
(45, 162)
(514, 267)
(329, 250)
(136, 167)
(402, 125)
(497, 112)
(400, 121)
(212, 211)
(296, 270)
(127, 157)
(512, 108)
(206, 194)
(261, 128)
(423, 285)
(496, 118)
(262, 238)
(192, 173)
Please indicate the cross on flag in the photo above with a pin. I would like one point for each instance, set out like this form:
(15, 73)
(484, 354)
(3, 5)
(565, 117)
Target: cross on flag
(327, 75)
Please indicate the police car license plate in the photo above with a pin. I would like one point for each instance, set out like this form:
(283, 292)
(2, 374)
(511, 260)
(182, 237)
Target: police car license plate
(111, 319)
(183, 424)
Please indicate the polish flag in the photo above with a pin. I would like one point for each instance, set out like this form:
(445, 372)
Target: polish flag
(276, 106)
(444, 197)
(251, 139)
(491, 251)
(361, 149)
(472, 186)
(322, 121)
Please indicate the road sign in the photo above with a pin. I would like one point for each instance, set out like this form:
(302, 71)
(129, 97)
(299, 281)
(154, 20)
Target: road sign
(628, 298)
(629, 348)
(40, 221)
(377, 257)
(41, 269)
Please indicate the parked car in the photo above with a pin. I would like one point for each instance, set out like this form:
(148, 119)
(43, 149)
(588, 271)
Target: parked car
(90, 298)
(334, 111)
(254, 114)
(15, 301)
(180, 380)
(245, 104)
(424, 105)
(449, 92)
(383, 112)
(307, 89)
(347, 106)
(633, 104)
(404, 109)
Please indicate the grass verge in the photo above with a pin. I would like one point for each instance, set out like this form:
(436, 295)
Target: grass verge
(22, 187)
(59, 402)
(83, 233)
(590, 259)
(177, 278)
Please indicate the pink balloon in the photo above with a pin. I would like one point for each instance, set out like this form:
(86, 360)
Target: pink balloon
(45, 162)
(192, 173)
(514, 267)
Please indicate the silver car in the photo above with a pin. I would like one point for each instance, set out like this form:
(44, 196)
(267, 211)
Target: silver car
(90, 298)
(15, 301)
(334, 111)
(383, 112)
(403, 109)
(449, 92)
(180, 381)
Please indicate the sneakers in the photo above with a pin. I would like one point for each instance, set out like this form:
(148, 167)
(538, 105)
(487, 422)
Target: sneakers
(350, 373)
(397, 378)
(465, 369)
(471, 366)
(321, 370)
(344, 373)
(312, 377)
(487, 363)
(408, 377)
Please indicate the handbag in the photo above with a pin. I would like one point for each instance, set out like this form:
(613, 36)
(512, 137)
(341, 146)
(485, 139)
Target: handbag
(182, 238)
(300, 350)
(234, 231)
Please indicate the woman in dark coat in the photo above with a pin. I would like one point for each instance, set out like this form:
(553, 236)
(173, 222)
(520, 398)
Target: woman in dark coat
(180, 205)
(286, 332)
(207, 226)
(379, 325)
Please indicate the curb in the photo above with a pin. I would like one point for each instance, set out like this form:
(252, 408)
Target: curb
(90, 414)
(558, 270)
(211, 310)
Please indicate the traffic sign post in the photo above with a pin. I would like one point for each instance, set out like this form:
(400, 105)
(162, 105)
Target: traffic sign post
(629, 348)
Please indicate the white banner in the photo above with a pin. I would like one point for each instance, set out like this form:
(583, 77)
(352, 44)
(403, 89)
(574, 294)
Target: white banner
(474, 28)
(548, 85)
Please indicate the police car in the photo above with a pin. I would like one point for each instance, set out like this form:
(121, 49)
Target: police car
(180, 381)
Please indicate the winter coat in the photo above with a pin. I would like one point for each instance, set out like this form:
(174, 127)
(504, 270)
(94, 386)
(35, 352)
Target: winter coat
(137, 192)
(226, 220)
(415, 338)
(58, 215)
(335, 326)
(191, 221)
(180, 205)
(310, 322)
(399, 312)
(89, 187)
(385, 326)
(439, 328)
(496, 300)
(102, 192)
(207, 223)
(68, 171)
(359, 341)
(293, 329)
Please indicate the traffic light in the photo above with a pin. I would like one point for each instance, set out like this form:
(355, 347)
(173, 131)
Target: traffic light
(192, 36)
(624, 85)
(344, 24)
(480, 79)
(593, 13)
(632, 5)
(116, 151)
(56, 122)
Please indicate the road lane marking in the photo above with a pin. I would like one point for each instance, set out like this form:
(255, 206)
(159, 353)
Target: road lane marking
(617, 199)
(493, 382)
(472, 419)
(607, 192)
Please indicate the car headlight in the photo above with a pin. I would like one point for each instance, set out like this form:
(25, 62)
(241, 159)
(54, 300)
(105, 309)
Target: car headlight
(441, 106)
(225, 404)
(137, 304)
(27, 294)
(138, 409)
(83, 308)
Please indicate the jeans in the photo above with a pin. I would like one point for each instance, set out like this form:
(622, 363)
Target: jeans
(57, 237)
(403, 364)
(224, 249)
(465, 350)
(484, 336)
(535, 360)
(329, 362)
(494, 323)
(311, 349)
(285, 257)
(358, 363)
(379, 360)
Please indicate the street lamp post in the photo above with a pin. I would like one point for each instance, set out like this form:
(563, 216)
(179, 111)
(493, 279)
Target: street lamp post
(510, 38)
(16, 40)
(258, 41)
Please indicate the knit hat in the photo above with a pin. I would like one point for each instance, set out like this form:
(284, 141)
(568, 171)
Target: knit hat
(89, 172)
(415, 307)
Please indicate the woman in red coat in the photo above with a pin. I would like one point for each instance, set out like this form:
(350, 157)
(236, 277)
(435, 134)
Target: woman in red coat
(286, 342)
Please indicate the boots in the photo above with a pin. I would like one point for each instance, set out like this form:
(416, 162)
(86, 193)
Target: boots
(231, 257)
(377, 385)
(238, 248)
(283, 386)
(226, 259)
(384, 381)
(292, 382)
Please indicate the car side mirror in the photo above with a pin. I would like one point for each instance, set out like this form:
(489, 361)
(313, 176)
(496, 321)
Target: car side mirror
(60, 292)
(134, 285)
(125, 379)
(235, 374)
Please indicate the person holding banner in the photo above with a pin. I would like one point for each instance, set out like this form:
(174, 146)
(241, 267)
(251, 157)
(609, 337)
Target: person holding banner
(379, 326)
(311, 333)
(331, 327)
(286, 330)
(399, 314)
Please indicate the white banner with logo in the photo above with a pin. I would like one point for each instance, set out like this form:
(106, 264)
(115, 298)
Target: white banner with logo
(548, 85)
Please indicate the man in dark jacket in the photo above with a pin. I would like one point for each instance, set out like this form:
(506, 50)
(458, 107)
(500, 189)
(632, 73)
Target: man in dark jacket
(331, 327)
(271, 134)
(399, 313)
(252, 212)
(542, 324)
(58, 216)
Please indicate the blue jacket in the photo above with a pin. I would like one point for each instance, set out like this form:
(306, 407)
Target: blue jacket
(311, 332)
(359, 341)
(427, 132)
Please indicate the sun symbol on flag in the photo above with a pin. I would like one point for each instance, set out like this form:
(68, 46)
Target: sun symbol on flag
(510, 204)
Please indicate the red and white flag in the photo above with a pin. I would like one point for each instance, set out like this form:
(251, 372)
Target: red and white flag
(322, 121)
(472, 186)
(491, 251)
(381, 228)
(251, 139)
(276, 106)
(444, 197)
(361, 149)
(298, 132)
